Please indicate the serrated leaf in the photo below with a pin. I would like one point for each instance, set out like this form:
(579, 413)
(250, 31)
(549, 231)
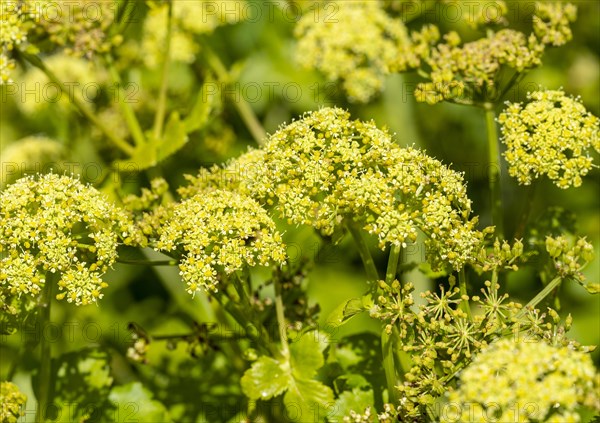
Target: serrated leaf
(356, 400)
(344, 312)
(308, 401)
(306, 354)
(350, 381)
(266, 379)
(133, 402)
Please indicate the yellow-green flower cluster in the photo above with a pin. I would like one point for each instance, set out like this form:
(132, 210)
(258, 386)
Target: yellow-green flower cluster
(569, 257)
(325, 170)
(529, 381)
(149, 210)
(56, 225)
(551, 135)
(244, 174)
(12, 400)
(448, 330)
(356, 46)
(80, 27)
(220, 232)
(188, 18)
(469, 72)
(483, 13)
(552, 22)
(16, 19)
(29, 154)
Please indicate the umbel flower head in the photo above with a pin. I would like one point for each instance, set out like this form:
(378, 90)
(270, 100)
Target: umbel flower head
(54, 224)
(529, 381)
(16, 19)
(189, 18)
(217, 232)
(11, 402)
(553, 135)
(326, 170)
(470, 71)
(552, 22)
(358, 58)
(80, 27)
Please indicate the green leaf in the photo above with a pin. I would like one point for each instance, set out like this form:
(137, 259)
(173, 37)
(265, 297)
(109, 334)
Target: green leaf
(308, 401)
(174, 138)
(207, 100)
(356, 400)
(266, 379)
(344, 312)
(306, 354)
(144, 156)
(156, 150)
(133, 402)
(83, 382)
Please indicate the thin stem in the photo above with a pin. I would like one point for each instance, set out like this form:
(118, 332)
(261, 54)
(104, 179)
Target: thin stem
(148, 262)
(364, 252)
(389, 365)
(279, 309)
(542, 294)
(161, 107)
(239, 102)
(120, 143)
(462, 284)
(520, 231)
(392, 267)
(494, 174)
(132, 122)
(246, 323)
(45, 372)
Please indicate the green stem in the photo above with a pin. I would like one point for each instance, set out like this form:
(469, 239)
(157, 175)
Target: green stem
(148, 262)
(132, 122)
(159, 117)
(120, 143)
(45, 372)
(239, 102)
(392, 267)
(462, 284)
(494, 174)
(520, 231)
(389, 365)
(364, 252)
(279, 309)
(542, 294)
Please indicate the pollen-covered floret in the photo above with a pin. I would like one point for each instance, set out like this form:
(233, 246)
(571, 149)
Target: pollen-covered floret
(220, 232)
(553, 135)
(359, 58)
(12, 401)
(326, 170)
(54, 224)
(532, 382)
